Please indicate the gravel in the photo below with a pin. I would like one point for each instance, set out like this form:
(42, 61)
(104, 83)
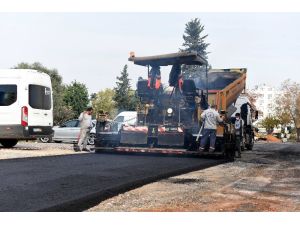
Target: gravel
(37, 149)
(266, 179)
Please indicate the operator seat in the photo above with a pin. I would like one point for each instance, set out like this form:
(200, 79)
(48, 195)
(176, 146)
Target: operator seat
(143, 91)
(189, 90)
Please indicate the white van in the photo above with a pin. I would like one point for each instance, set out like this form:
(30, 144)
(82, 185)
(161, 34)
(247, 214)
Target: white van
(126, 118)
(26, 107)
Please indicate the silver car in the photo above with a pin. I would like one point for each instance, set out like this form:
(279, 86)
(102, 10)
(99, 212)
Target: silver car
(69, 132)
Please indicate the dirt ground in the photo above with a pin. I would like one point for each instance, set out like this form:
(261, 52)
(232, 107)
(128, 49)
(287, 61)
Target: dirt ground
(36, 149)
(265, 179)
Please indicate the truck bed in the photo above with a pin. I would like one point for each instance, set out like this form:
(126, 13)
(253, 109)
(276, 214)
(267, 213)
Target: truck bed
(224, 86)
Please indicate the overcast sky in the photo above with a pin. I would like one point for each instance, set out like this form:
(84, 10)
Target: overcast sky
(93, 47)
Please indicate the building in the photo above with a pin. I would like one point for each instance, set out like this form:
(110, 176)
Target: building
(266, 99)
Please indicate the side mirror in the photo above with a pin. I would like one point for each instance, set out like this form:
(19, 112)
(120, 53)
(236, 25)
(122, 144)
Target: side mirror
(63, 125)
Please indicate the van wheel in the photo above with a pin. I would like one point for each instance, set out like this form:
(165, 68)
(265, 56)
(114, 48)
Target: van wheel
(8, 143)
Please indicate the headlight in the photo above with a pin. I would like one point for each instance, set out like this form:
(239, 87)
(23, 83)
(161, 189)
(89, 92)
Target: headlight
(169, 110)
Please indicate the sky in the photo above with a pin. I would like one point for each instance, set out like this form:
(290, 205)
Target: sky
(93, 48)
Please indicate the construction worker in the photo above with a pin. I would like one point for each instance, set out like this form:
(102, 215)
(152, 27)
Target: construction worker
(85, 120)
(154, 78)
(210, 118)
(101, 120)
(238, 126)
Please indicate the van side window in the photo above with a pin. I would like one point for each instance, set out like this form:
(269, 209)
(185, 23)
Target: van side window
(8, 94)
(39, 97)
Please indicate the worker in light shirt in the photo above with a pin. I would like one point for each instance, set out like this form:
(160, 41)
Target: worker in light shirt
(211, 118)
(85, 120)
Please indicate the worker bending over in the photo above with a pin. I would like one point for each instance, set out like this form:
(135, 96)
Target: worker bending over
(210, 118)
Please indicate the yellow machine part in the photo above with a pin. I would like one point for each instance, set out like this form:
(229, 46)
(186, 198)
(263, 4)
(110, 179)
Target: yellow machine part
(228, 95)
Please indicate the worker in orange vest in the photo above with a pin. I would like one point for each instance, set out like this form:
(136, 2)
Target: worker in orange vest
(154, 78)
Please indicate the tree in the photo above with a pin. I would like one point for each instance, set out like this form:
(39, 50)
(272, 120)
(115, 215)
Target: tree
(76, 96)
(288, 104)
(194, 40)
(60, 111)
(124, 97)
(252, 96)
(93, 96)
(104, 101)
(297, 117)
(270, 123)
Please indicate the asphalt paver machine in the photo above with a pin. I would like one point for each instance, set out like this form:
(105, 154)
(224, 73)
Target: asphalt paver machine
(168, 117)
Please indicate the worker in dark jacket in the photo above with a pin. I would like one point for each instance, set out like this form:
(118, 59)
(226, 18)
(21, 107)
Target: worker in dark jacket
(238, 126)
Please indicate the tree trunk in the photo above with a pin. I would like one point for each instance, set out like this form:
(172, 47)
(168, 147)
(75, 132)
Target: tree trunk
(298, 134)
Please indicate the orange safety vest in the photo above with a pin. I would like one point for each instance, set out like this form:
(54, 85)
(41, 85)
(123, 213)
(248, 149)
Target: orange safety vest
(157, 82)
(180, 82)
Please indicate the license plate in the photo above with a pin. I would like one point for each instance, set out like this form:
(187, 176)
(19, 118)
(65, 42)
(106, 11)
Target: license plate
(37, 130)
(171, 129)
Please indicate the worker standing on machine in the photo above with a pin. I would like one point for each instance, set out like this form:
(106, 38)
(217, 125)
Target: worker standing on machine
(210, 118)
(154, 78)
(102, 120)
(238, 127)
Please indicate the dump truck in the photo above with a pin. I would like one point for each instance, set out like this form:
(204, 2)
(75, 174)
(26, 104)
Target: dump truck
(169, 117)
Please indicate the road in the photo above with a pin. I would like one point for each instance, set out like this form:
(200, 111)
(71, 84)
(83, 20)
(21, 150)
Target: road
(77, 182)
(265, 179)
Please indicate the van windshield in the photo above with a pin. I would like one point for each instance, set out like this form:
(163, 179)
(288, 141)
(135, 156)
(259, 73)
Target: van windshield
(8, 94)
(39, 97)
(119, 119)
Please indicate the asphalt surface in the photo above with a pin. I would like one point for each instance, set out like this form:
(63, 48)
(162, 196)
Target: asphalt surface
(77, 182)
(265, 179)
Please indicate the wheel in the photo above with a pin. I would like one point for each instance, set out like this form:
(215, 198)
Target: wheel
(45, 139)
(91, 139)
(250, 145)
(58, 141)
(230, 153)
(8, 143)
(243, 148)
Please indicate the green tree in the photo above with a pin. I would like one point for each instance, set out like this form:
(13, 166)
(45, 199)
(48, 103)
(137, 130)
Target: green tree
(61, 111)
(93, 96)
(104, 101)
(270, 123)
(124, 97)
(194, 40)
(76, 96)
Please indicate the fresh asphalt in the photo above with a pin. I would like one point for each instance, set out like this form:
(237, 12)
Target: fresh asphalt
(77, 182)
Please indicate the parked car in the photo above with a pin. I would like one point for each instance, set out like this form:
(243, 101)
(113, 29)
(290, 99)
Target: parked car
(69, 132)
